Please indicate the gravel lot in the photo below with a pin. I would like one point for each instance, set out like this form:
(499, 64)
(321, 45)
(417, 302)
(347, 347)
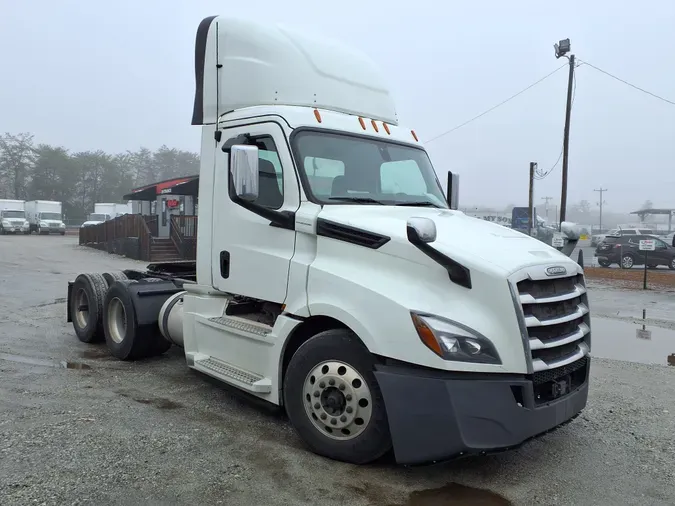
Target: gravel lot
(107, 432)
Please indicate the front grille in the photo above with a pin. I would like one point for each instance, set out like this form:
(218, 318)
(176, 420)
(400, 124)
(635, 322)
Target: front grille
(557, 321)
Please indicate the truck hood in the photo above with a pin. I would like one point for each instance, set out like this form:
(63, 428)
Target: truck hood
(470, 241)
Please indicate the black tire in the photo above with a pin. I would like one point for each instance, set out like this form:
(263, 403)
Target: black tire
(604, 263)
(86, 307)
(111, 277)
(627, 262)
(62, 233)
(128, 340)
(671, 265)
(342, 346)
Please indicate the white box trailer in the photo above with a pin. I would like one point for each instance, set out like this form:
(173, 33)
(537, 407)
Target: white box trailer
(103, 211)
(45, 217)
(13, 217)
(334, 280)
(106, 211)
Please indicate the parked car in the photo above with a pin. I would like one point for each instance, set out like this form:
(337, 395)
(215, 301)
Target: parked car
(625, 251)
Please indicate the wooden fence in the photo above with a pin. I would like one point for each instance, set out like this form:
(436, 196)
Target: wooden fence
(128, 235)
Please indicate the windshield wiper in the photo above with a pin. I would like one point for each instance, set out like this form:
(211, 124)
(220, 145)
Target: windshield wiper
(360, 200)
(421, 203)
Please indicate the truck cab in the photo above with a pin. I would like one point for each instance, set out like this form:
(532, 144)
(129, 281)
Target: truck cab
(13, 217)
(336, 280)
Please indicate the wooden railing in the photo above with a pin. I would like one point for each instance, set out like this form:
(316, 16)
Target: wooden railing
(153, 224)
(183, 233)
(110, 234)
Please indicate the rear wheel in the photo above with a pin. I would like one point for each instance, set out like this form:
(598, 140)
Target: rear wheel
(86, 307)
(111, 277)
(126, 339)
(627, 262)
(333, 400)
(671, 265)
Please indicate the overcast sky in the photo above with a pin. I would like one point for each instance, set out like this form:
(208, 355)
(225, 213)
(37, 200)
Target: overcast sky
(120, 75)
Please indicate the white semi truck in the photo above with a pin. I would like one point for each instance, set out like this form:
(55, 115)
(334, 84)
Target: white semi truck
(13, 217)
(45, 217)
(334, 280)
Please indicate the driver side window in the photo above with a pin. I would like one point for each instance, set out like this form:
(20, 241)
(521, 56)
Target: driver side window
(271, 182)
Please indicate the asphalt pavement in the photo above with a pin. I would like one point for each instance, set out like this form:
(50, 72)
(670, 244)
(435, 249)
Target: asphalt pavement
(79, 427)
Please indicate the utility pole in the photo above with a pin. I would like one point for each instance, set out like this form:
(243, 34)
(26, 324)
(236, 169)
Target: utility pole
(561, 49)
(601, 190)
(530, 205)
(546, 205)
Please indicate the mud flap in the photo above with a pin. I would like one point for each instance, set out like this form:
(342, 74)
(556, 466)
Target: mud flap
(69, 318)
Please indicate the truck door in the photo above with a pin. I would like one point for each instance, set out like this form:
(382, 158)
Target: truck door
(251, 257)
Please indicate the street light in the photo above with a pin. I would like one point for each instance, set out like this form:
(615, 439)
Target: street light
(562, 48)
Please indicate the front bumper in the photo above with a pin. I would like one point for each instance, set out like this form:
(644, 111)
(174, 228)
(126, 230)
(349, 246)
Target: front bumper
(436, 416)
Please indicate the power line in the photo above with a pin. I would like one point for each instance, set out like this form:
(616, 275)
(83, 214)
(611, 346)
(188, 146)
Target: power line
(496, 106)
(630, 84)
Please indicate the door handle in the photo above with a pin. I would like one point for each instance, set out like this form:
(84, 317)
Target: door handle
(225, 264)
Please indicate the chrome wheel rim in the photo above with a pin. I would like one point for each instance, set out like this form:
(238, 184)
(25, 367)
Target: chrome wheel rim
(117, 320)
(337, 400)
(81, 308)
(627, 262)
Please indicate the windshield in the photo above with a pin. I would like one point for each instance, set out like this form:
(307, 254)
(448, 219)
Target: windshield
(13, 214)
(50, 216)
(97, 217)
(342, 168)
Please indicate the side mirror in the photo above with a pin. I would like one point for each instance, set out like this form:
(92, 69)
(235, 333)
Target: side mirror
(421, 230)
(244, 171)
(453, 191)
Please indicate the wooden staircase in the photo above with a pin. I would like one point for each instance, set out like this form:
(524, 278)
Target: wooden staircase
(163, 250)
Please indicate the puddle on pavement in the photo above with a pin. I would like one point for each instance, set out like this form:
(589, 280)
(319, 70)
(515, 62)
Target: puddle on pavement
(455, 494)
(156, 402)
(622, 340)
(68, 364)
(96, 354)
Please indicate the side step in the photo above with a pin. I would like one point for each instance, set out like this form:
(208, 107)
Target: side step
(241, 326)
(231, 374)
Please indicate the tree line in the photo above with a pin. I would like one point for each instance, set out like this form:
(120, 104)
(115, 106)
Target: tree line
(35, 171)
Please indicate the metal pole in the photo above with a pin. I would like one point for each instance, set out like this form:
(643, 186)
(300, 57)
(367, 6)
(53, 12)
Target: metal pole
(533, 166)
(566, 141)
(644, 281)
(600, 190)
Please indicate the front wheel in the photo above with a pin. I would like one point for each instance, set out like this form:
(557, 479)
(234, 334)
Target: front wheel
(627, 262)
(333, 400)
(604, 263)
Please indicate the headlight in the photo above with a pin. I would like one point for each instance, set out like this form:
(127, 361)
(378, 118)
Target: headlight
(5, 223)
(454, 341)
(43, 224)
(62, 225)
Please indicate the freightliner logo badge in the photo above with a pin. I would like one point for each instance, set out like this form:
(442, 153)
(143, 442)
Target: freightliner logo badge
(556, 270)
